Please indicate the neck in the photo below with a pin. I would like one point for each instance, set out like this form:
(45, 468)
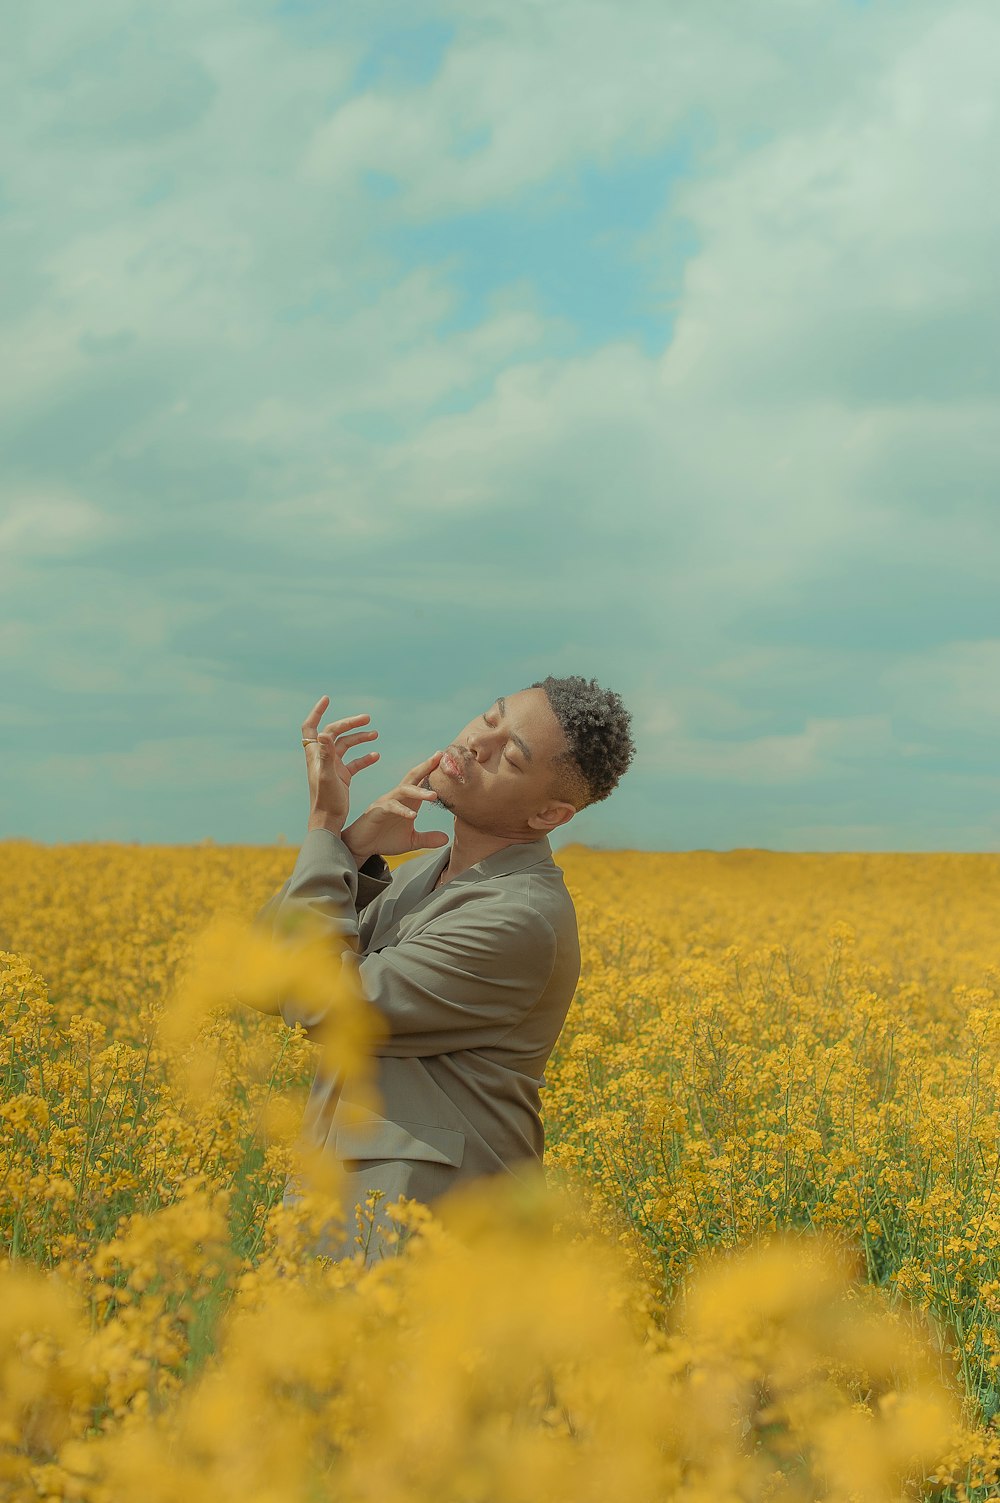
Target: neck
(470, 846)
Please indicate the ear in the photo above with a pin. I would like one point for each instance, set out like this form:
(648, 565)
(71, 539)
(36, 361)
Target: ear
(552, 816)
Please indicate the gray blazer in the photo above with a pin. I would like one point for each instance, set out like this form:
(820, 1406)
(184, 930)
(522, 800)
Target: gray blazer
(474, 980)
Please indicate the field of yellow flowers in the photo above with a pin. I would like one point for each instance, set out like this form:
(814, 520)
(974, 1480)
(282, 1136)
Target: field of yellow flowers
(767, 1265)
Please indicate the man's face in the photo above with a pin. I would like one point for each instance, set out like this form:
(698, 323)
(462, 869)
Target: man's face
(498, 775)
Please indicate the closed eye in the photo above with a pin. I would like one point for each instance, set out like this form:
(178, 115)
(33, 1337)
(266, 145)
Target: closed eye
(506, 759)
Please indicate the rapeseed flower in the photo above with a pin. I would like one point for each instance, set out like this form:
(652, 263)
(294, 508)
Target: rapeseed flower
(761, 1046)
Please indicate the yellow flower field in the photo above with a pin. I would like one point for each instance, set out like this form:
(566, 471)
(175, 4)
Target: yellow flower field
(768, 1265)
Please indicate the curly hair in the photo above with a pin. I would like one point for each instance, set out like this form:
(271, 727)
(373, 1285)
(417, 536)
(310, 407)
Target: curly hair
(596, 725)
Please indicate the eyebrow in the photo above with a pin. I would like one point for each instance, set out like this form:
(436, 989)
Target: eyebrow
(521, 745)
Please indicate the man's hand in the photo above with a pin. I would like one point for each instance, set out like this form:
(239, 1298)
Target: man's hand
(388, 825)
(329, 775)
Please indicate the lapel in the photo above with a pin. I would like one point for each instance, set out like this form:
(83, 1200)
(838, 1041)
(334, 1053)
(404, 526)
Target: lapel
(413, 887)
(512, 858)
(411, 883)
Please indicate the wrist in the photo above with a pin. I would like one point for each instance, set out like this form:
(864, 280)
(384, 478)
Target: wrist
(320, 821)
(357, 848)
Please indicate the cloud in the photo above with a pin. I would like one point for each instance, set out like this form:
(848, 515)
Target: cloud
(849, 259)
(256, 430)
(825, 746)
(35, 524)
(593, 82)
(956, 685)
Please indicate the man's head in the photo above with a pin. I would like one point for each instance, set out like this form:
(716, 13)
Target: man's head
(531, 760)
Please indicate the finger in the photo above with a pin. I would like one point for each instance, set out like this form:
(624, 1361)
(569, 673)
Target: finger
(429, 839)
(394, 807)
(340, 727)
(313, 718)
(360, 762)
(344, 743)
(414, 792)
(423, 768)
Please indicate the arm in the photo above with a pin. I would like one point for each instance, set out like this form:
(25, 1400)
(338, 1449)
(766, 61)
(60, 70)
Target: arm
(387, 825)
(329, 783)
(463, 982)
(374, 877)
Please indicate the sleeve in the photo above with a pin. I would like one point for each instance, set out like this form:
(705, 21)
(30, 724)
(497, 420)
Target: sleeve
(462, 982)
(372, 879)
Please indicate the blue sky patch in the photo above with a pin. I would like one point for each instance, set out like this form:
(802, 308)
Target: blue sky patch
(574, 241)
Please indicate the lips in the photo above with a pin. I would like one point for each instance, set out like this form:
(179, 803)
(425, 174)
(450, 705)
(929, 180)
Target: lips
(451, 767)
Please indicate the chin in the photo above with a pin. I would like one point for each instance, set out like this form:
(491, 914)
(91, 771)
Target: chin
(441, 802)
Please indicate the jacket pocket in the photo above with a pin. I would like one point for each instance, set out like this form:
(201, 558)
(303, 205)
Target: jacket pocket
(400, 1140)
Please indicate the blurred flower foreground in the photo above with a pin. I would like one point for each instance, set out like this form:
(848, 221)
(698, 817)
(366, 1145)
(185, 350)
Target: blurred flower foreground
(714, 1298)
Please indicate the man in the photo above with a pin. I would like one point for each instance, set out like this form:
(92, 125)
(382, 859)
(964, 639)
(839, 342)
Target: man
(470, 953)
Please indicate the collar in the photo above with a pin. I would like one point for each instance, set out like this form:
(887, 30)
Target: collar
(509, 859)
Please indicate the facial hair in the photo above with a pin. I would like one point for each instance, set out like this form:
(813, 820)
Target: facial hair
(439, 802)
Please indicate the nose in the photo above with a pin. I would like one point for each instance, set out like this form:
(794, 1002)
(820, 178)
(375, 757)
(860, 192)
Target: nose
(478, 744)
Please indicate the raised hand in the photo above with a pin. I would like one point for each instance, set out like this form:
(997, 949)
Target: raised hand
(329, 775)
(389, 824)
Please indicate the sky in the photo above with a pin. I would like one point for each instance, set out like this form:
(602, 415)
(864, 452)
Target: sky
(408, 353)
